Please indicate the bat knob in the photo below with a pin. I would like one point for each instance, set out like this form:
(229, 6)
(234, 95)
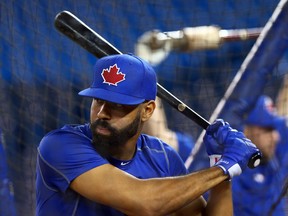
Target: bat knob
(254, 161)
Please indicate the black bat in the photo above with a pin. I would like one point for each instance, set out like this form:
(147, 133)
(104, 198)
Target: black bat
(72, 27)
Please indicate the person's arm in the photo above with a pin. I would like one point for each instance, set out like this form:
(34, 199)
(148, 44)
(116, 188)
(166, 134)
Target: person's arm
(157, 126)
(219, 203)
(159, 196)
(220, 200)
(110, 186)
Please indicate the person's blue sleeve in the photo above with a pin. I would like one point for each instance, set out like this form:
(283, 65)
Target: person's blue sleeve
(175, 162)
(185, 145)
(63, 156)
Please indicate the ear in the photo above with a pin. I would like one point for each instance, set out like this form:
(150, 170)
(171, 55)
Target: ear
(148, 109)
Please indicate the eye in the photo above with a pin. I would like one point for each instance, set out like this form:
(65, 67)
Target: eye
(119, 105)
(116, 106)
(98, 102)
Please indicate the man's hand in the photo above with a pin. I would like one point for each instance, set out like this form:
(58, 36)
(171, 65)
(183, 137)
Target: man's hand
(235, 148)
(213, 148)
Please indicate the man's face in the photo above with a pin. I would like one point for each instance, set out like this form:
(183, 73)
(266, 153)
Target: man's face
(112, 124)
(265, 139)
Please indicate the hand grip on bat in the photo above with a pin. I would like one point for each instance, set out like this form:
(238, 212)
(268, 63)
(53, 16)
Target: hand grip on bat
(191, 114)
(220, 135)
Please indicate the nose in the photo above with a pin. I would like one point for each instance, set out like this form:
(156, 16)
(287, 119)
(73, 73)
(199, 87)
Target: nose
(104, 111)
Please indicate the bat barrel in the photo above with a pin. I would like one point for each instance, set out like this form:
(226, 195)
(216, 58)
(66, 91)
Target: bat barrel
(72, 27)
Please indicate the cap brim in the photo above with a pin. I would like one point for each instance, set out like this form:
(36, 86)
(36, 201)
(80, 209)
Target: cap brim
(111, 96)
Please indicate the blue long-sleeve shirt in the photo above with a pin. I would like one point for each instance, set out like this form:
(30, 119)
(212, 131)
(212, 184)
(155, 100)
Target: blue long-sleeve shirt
(66, 153)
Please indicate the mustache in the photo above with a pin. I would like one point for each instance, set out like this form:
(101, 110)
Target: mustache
(101, 123)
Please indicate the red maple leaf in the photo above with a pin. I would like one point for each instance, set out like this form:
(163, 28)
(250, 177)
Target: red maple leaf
(112, 76)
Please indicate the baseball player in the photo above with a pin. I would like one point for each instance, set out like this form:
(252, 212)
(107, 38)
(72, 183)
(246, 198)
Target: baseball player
(107, 167)
(256, 191)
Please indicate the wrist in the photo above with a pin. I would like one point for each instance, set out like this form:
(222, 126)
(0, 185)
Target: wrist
(226, 177)
(230, 169)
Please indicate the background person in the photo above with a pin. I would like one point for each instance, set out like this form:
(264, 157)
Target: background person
(256, 191)
(157, 126)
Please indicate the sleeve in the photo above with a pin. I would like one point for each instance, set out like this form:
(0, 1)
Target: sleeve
(185, 145)
(176, 164)
(63, 156)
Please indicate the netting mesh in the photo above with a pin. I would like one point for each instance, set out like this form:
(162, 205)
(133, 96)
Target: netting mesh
(42, 71)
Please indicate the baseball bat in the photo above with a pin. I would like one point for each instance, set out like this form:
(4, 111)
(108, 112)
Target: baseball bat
(154, 46)
(239, 34)
(197, 38)
(79, 32)
(72, 27)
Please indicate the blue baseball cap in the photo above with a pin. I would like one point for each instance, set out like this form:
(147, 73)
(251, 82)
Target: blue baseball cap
(123, 79)
(264, 113)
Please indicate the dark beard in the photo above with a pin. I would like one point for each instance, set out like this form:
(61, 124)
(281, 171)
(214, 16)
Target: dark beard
(102, 143)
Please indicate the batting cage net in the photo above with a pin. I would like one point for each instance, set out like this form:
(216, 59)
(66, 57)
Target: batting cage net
(42, 70)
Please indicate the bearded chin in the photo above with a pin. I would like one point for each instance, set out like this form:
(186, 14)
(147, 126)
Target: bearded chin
(116, 139)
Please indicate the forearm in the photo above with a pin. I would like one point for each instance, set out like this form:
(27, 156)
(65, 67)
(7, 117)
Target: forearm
(156, 196)
(220, 200)
(181, 191)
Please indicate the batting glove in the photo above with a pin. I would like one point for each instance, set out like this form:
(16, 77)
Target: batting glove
(236, 148)
(213, 148)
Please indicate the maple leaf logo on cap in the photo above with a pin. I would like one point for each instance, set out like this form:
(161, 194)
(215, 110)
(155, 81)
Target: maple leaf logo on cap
(112, 76)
